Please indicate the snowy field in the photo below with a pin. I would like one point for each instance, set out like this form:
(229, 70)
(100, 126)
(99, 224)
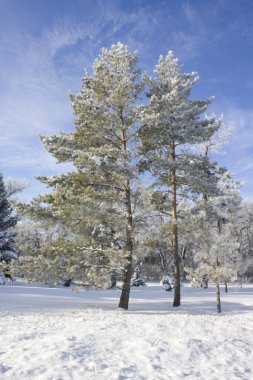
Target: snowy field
(56, 333)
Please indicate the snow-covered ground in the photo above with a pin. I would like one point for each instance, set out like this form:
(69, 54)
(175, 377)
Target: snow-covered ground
(56, 333)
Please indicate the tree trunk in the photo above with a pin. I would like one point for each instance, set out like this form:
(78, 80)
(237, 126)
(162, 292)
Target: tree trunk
(113, 280)
(182, 259)
(219, 224)
(124, 298)
(218, 298)
(125, 293)
(177, 296)
(226, 287)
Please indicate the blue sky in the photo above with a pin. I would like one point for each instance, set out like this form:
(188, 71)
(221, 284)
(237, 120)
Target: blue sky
(46, 44)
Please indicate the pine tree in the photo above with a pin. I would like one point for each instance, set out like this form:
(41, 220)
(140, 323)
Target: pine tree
(217, 253)
(219, 259)
(95, 200)
(7, 221)
(244, 228)
(172, 122)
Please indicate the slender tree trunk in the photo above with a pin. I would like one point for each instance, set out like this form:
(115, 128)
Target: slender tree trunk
(127, 274)
(218, 303)
(113, 280)
(177, 296)
(219, 225)
(182, 259)
(164, 263)
(226, 287)
(218, 298)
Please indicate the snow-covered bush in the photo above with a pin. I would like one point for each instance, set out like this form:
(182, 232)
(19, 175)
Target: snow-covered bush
(167, 283)
(137, 279)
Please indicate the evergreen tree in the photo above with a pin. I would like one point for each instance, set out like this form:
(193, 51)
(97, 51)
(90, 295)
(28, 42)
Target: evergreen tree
(7, 221)
(95, 201)
(244, 228)
(216, 236)
(172, 122)
(217, 254)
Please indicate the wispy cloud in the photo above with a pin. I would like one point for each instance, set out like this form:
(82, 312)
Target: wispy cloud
(238, 157)
(242, 120)
(36, 74)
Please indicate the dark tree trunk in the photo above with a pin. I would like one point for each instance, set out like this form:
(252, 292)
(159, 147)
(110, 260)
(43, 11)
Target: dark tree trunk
(226, 287)
(182, 259)
(177, 296)
(218, 298)
(127, 274)
(124, 299)
(125, 294)
(219, 225)
(113, 280)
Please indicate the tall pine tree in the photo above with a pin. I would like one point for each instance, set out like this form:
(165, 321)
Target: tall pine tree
(96, 199)
(172, 122)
